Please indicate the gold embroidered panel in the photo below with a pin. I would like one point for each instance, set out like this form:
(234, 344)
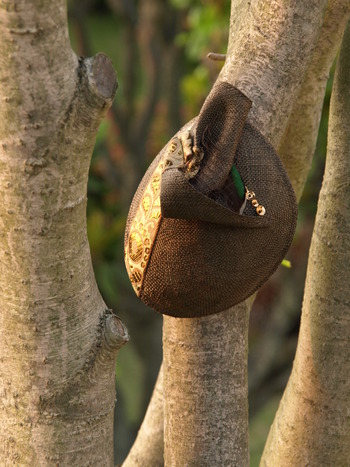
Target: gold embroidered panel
(145, 225)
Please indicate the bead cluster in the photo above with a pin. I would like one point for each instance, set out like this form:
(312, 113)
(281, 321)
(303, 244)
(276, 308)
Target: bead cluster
(250, 196)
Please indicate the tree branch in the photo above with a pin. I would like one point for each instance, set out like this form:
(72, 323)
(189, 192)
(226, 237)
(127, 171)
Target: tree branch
(268, 53)
(206, 393)
(299, 140)
(312, 423)
(151, 12)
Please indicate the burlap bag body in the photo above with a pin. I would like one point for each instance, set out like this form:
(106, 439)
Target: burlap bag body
(199, 255)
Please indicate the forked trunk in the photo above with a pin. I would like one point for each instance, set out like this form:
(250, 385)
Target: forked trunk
(58, 341)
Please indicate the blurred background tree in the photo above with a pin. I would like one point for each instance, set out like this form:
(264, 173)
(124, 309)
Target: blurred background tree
(159, 49)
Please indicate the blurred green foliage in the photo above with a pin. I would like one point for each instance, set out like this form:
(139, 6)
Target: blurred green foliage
(208, 26)
(259, 429)
(131, 378)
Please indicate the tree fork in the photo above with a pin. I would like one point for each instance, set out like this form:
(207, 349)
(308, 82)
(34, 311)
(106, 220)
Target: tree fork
(58, 341)
(296, 148)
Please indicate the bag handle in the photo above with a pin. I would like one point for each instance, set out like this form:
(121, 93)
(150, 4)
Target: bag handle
(218, 131)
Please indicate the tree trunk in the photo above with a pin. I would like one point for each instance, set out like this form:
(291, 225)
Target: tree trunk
(312, 425)
(267, 65)
(58, 341)
(298, 144)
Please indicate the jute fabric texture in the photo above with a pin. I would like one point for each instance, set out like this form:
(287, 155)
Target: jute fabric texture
(204, 256)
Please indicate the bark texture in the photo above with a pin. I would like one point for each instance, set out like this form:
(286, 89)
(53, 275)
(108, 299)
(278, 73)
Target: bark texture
(312, 425)
(270, 48)
(206, 398)
(299, 140)
(58, 341)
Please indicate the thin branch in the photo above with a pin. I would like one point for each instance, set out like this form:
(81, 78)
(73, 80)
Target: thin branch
(216, 57)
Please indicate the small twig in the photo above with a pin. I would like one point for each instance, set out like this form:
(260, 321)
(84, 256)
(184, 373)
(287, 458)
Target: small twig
(216, 57)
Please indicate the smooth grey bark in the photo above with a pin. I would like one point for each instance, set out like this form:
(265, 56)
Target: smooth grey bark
(58, 341)
(312, 425)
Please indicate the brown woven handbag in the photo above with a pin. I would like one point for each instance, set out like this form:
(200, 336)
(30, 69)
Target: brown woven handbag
(213, 216)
